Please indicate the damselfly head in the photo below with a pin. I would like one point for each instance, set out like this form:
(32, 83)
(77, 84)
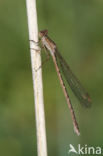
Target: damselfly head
(43, 33)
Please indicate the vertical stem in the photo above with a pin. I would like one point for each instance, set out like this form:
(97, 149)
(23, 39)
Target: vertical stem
(37, 77)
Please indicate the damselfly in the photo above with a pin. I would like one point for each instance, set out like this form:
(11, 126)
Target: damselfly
(62, 67)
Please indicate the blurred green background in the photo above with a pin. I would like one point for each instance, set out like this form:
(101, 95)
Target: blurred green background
(77, 28)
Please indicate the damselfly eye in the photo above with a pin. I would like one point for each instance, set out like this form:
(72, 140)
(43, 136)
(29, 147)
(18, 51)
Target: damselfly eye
(43, 33)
